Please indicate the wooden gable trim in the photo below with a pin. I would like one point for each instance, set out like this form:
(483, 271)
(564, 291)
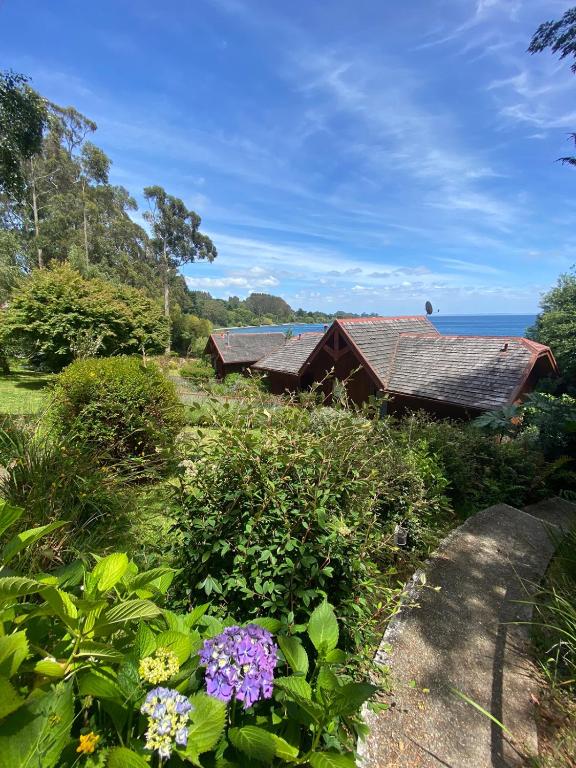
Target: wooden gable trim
(342, 334)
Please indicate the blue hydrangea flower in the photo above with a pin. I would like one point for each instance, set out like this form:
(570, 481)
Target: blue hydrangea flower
(168, 712)
(240, 663)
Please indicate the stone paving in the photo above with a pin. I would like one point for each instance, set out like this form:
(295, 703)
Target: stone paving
(462, 637)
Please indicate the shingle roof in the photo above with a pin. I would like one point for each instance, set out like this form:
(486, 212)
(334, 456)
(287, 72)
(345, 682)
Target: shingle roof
(376, 338)
(291, 357)
(247, 347)
(481, 372)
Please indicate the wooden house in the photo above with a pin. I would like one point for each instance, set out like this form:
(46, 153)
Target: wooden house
(234, 352)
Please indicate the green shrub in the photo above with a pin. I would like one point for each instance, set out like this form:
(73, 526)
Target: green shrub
(481, 469)
(56, 478)
(84, 650)
(198, 370)
(120, 408)
(58, 315)
(273, 514)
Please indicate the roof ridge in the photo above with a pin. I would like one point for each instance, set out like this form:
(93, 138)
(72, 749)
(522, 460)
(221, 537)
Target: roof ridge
(387, 318)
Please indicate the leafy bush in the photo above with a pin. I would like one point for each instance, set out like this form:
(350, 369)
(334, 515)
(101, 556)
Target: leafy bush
(482, 470)
(554, 418)
(198, 370)
(119, 408)
(273, 514)
(58, 315)
(92, 652)
(57, 478)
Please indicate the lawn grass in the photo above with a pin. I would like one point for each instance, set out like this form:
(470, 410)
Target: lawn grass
(24, 391)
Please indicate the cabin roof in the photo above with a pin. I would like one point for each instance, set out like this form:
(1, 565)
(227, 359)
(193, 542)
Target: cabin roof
(480, 372)
(291, 358)
(376, 338)
(245, 347)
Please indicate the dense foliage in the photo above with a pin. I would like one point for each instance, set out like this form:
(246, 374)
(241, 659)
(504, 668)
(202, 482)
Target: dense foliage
(57, 316)
(121, 408)
(91, 651)
(556, 326)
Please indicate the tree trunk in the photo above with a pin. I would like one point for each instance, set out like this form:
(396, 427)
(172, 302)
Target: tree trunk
(166, 277)
(85, 224)
(36, 219)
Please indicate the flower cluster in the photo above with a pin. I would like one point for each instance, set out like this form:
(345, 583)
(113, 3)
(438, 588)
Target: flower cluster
(240, 664)
(87, 743)
(168, 712)
(160, 667)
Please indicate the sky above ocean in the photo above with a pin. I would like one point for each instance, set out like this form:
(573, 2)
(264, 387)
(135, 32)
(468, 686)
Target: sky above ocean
(362, 156)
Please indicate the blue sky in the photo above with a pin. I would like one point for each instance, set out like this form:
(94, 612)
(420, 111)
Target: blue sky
(358, 155)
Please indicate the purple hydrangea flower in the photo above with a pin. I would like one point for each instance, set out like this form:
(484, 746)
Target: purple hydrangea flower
(240, 663)
(168, 712)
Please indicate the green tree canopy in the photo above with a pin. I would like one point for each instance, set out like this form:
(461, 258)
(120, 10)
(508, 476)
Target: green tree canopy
(57, 315)
(22, 120)
(556, 325)
(560, 37)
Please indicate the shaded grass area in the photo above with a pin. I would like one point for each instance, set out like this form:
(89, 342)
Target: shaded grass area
(24, 391)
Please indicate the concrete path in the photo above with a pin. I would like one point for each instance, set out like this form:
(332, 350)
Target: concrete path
(461, 637)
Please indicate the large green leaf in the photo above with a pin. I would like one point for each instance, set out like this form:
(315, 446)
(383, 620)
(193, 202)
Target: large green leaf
(332, 760)
(107, 573)
(144, 641)
(295, 685)
(102, 685)
(49, 668)
(120, 757)
(62, 605)
(99, 650)
(254, 742)
(177, 642)
(10, 700)
(272, 625)
(13, 651)
(294, 654)
(38, 731)
(26, 539)
(131, 610)
(8, 515)
(323, 628)
(157, 580)
(349, 698)
(18, 586)
(208, 719)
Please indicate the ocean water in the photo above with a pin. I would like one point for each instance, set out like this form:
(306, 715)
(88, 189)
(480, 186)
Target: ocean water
(461, 325)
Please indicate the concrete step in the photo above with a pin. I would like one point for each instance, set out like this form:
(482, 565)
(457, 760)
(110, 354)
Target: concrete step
(463, 637)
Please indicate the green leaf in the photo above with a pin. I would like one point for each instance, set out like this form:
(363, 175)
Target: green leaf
(8, 515)
(10, 700)
(62, 604)
(254, 742)
(98, 684)
(349, 698)
(144, 641)
(37, 732)
(332, 760)
(131, 610)
(99, 651)
(336, 656)
(294, 653)
(120, 757)
(13, 651)
(208, 718)
(284, 750)
(177, 642)
(18, 586)
(272, 625)
(26, 539)
(155, 580)
(107, 573)
(323, 628)
(327, 679)
(295, 685)
(49, 668)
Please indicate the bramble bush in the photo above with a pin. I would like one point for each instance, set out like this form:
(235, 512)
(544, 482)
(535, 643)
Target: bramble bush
(120, 408)
(93, 670)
